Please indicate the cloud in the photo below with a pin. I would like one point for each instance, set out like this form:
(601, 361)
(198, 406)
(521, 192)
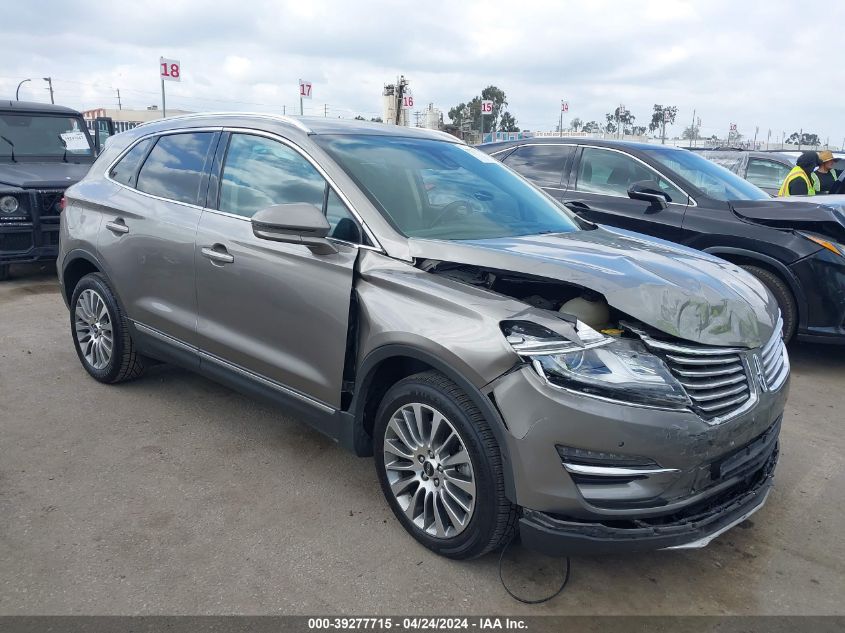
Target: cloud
(746, 63)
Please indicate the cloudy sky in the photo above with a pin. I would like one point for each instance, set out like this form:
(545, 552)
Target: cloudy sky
(733, 61)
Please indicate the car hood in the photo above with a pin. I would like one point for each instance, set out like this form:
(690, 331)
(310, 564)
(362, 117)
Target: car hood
(682, 292)
(797, 212)
(52, 175)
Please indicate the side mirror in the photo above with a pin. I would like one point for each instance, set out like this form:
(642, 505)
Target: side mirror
(299, 223)
(103, 129)
(649, 191)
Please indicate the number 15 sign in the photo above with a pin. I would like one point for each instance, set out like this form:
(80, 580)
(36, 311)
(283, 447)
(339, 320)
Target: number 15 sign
(170, 69)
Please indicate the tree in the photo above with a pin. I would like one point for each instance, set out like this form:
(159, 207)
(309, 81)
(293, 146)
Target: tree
(377, 119)
(658, 114)
(576, 124)
(620, 116)
(638, 130)
(691, 132)
(358, 117)
(468, 115)
(508, 123)
(806, 139)
(591, 127)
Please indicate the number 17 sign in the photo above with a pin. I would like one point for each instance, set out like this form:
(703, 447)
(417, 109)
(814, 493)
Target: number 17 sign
(304, 89)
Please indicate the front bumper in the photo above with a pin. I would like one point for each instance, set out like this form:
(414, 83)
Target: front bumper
(692, 528)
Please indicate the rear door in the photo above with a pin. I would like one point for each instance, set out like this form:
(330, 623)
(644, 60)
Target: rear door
(275, 311)
(148, 229)
(599, 193)
(543, 164)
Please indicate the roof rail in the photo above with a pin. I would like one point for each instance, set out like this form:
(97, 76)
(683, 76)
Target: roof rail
(202, 115)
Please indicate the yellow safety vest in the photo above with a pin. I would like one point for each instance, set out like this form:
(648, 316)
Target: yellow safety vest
(817, 185)
(797, 172)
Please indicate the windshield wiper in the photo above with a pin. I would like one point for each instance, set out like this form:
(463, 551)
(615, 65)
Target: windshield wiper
(64, 144)
(12, 146)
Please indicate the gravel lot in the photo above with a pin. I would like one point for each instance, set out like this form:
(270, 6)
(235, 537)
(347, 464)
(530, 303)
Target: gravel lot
(172, 494)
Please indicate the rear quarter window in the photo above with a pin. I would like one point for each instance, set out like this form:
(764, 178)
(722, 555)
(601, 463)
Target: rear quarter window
(125, 171)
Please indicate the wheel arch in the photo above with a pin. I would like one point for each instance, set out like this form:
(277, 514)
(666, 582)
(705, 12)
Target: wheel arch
(75, 266)
(385, 366)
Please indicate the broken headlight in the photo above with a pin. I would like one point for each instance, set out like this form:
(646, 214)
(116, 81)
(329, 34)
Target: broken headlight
(602, 366)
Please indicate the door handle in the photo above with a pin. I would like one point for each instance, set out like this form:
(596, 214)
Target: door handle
(217, 253)
(577, 205)
(118, 226)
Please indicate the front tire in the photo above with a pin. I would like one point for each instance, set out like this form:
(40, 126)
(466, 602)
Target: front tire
(783, 296)
(440, 468)
(100, 332)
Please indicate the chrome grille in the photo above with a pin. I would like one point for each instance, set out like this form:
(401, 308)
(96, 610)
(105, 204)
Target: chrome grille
(775, 359)
(715, 379)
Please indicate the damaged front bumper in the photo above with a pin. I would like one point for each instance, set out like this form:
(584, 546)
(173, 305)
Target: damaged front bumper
(694, 527)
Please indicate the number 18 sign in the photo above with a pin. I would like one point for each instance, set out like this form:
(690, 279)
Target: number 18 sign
(170, 69)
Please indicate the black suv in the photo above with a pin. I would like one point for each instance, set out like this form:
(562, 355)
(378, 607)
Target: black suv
(44, 149)
(795, 248)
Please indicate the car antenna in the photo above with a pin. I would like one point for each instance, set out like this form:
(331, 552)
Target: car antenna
(12, 145)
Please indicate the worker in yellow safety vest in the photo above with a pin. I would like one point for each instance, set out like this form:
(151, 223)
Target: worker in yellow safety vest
(798, 182)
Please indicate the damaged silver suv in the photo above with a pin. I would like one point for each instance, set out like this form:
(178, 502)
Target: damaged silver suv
(508, 365)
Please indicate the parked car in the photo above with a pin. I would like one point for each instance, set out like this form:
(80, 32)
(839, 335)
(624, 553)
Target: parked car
(767, 170)
(506, 362)
(678, 195)
(44, 148)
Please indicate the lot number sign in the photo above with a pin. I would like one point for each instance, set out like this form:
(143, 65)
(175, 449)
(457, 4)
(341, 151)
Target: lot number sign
(170, 69)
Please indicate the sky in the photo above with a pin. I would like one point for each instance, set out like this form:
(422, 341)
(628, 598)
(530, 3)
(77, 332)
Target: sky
(757, 64)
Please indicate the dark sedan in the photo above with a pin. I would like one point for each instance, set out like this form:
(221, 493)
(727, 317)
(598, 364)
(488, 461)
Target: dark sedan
(795, 248)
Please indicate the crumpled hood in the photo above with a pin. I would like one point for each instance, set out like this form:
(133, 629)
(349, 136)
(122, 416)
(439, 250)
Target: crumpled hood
(824, 216)
(52, 175)
(680, 291)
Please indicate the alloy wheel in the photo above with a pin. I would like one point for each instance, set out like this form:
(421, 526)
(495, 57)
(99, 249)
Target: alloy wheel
(429, 470)
(93, 329)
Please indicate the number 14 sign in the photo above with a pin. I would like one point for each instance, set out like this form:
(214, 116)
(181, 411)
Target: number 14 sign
(170, 69)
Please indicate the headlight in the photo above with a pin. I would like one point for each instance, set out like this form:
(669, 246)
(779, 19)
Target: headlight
(8, 204)
(603, 366)
(830, 245)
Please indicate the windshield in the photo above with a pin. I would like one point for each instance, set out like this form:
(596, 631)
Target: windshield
(38, 135)
(442, 190)
(713, 180)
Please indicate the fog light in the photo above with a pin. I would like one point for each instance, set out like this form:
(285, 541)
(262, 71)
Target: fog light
(599, 458)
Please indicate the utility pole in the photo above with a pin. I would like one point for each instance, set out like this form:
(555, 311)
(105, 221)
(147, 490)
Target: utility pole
(800, 138)
(692, 128)
(119, 105)
(325, 110)
(560, 125)
(768, 136)
(756, 130)
(49, 81)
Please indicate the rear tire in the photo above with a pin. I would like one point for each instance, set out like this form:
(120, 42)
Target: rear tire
(100, 332)
(442, 476)
(783, 296)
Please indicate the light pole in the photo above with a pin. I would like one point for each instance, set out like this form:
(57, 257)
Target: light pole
(49, 81)
(18, 91)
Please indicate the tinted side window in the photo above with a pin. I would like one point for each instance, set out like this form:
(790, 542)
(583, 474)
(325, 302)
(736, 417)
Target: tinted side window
(611, 173)
(344, 226)
(541, 164)
(766, 173)
(260, 172)
(125, 171)
(174, 168)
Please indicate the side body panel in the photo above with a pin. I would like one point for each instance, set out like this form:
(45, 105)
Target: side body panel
(277, 310)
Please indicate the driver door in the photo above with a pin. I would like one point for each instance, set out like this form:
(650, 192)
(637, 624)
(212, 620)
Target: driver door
(273, 311)
(600, 194)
